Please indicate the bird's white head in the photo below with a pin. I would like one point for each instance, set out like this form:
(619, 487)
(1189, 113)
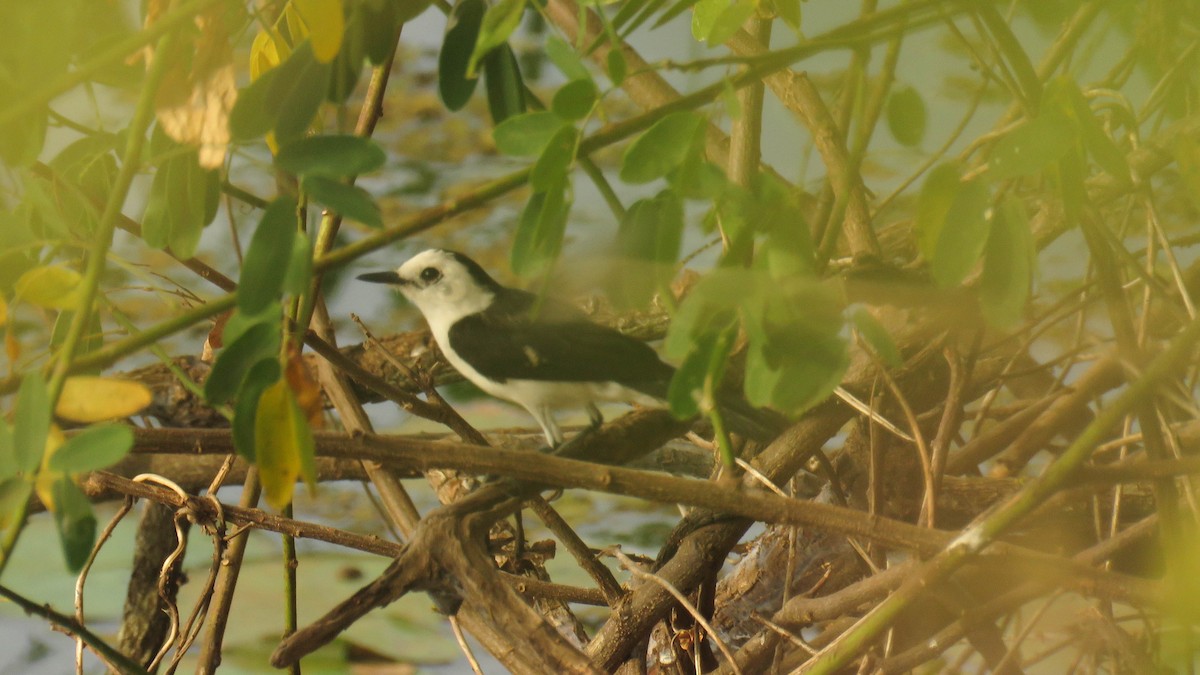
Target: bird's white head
(444, 285)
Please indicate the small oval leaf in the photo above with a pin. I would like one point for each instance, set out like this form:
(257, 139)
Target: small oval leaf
(462, 30)
(663, 147)
(574, 100)
(906, 116)
(87, 399)
(334, 156)
(265, 264)
(526, 135)
(349, 201)
(96, 447)
(50, 286)
(555, 161)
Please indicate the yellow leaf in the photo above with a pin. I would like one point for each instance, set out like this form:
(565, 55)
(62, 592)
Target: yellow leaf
(283, 443)
(87, 398)
(325, 24)
(44, 482)
(266, 53)
(3, 311)
(50, 286)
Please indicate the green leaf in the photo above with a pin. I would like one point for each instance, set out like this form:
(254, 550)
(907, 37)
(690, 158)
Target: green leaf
(75, 521)
(574, 100)
(877, 337)
(729, 21)
(261, 375)
(462, 31)
(505, 90)
(8, 455)
(704, 17)
(937, 196)
(1008, 265)
(96, 447)
(1032, 146)
(906, 116)
(350, 201)
(963, 235)
(156, 221)
(255, 111)
(663, 147)
(240, 322)
(14, 495)
(1102, 148)
(265, 264)
(650, 236)
(188, 187)
(526, 135)
(333, 156)
(299, 271)
(238, 358)
(498, 23)
(346, 67)
(540, 231)
(554, 163)
(566, 59)
(298, 92)
(796, 356)
(789, 11)
(407, 10)
(617, 67)
(686, 390)
(379, 25)
(32, 423)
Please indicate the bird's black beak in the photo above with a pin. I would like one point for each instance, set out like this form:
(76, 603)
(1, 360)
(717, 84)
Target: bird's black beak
(382, 278)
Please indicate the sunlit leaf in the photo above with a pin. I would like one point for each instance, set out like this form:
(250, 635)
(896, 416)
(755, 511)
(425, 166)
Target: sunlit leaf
(265, 264)
(326, 26)
(349, 201)
(789, 11)
(663, 147)
(334, 156)
(87, 398)
(462, 31)
(194, 102)
(50, 286)
(3, 311)
(906, 116)
(96, 447)
(704, 17)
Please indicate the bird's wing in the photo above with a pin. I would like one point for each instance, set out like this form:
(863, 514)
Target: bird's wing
(522, 337)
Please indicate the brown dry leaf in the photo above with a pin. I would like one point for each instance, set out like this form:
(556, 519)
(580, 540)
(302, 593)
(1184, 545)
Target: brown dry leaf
(199, 90)
(306, 388)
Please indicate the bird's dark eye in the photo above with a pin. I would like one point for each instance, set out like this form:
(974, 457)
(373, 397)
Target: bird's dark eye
(430, 274)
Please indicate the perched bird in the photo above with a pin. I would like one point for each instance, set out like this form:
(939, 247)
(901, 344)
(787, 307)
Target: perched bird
(537, 352)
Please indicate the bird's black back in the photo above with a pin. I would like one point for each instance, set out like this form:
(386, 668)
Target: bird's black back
(523, 337)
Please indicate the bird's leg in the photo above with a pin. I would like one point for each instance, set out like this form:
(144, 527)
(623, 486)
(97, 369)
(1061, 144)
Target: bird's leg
(595, 419)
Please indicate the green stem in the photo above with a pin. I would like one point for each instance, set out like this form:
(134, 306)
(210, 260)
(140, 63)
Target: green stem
(976, 537)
